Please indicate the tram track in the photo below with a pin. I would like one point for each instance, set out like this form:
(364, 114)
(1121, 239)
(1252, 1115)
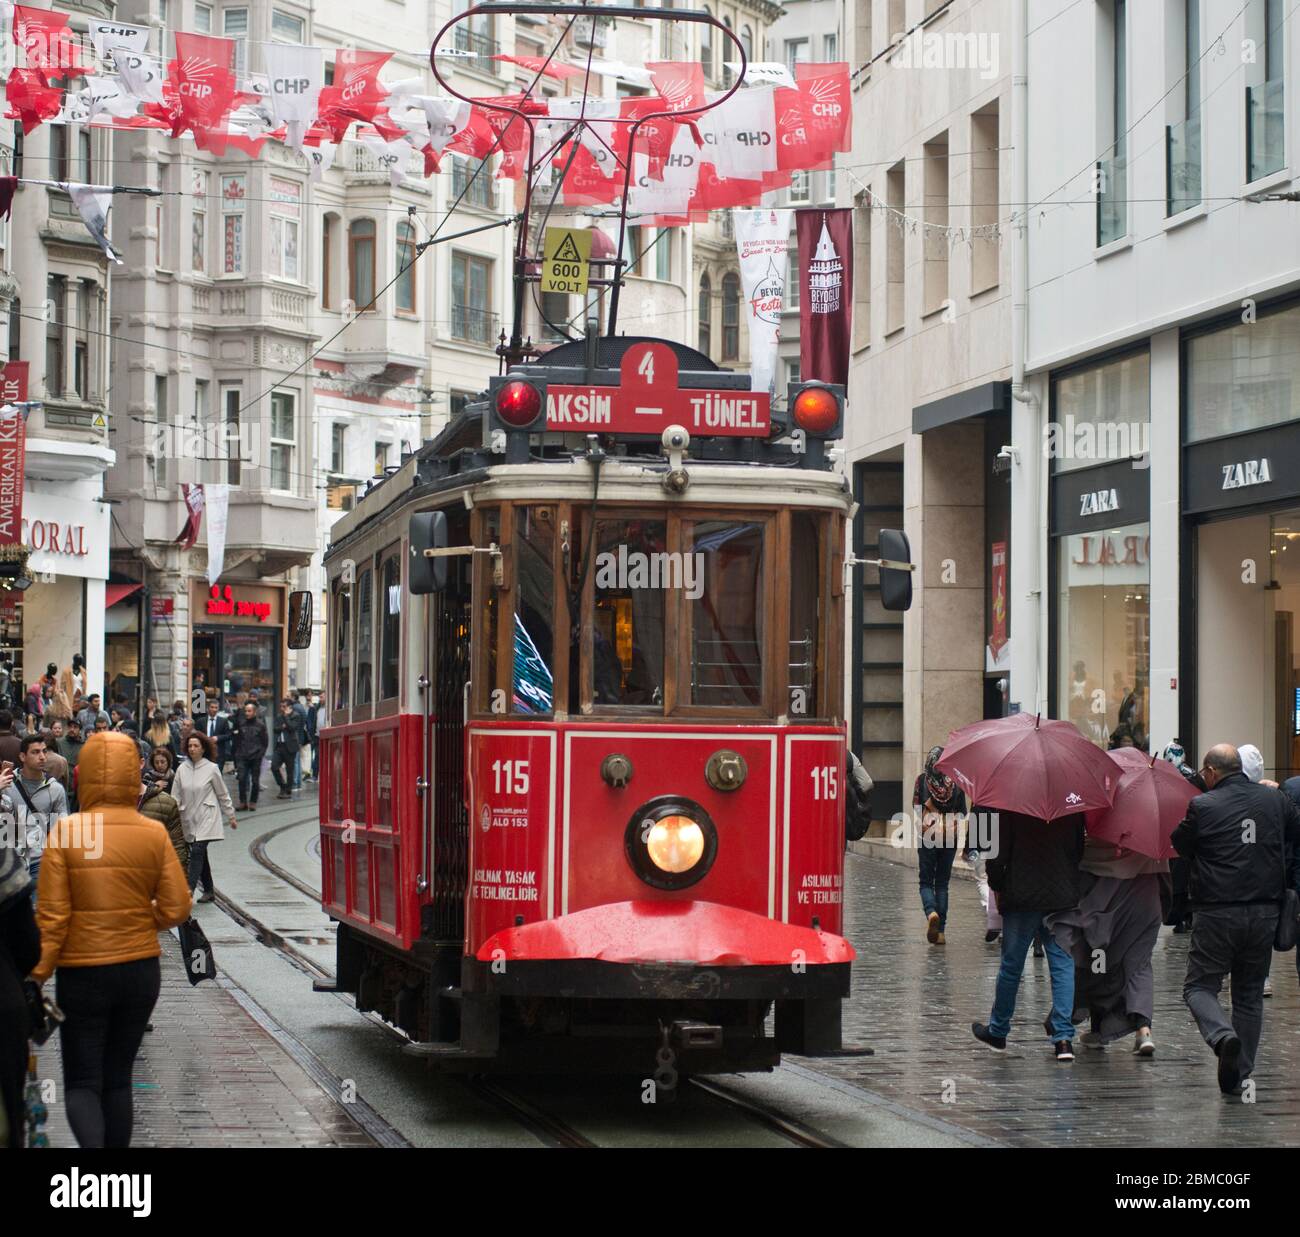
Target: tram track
(548, 1128)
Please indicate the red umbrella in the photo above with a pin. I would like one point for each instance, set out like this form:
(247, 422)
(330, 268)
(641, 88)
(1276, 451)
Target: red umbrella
(1024, 763)
(1151, 801)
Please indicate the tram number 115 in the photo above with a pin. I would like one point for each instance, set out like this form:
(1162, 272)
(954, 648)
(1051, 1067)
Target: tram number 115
(826, 782)
(510, 777)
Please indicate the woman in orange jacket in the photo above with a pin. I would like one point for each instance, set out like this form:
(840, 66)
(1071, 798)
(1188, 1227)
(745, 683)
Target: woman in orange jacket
(110, 882)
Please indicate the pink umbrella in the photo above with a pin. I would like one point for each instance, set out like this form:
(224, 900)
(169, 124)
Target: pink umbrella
(1024, 763)
(1150, 802)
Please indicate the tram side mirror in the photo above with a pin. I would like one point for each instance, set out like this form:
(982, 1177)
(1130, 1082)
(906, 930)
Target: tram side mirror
(427, 531)
(300, 620)
(895, 569)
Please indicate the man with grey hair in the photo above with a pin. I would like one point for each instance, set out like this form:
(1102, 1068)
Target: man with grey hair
(1237, 836)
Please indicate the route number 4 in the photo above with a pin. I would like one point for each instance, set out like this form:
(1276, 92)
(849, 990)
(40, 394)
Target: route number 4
(646, 368)
(510, 777)
(826, 782)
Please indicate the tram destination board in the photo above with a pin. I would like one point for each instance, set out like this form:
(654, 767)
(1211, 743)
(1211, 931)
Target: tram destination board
(649, 398)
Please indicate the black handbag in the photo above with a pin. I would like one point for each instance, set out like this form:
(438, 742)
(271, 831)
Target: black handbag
(196, 952)
(43, 1015)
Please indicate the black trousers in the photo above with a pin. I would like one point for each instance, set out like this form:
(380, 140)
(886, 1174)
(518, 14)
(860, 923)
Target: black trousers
(107, 1009)
(200, 868)
(282, 767)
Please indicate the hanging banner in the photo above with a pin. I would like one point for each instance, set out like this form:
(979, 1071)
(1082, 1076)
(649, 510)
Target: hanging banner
(998, 634)
(763, 73)
(93, 208)
(193, 495)
(824, 91)
(142, 76)
(204, 76)
(13, 387)
(50, 45)
(114, 36)
(825, 293)
(13, 447)
(296, 76)
(740, 135)
(763, 245)
(217, 500)
(320, 158)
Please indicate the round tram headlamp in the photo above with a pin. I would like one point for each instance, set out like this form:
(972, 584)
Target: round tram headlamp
(816, 410)
(671, 843)
(518, 403)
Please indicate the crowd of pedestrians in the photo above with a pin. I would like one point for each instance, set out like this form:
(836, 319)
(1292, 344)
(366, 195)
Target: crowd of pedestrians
(88, 879)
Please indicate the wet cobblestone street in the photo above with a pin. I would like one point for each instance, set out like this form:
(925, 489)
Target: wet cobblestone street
(914, 1002)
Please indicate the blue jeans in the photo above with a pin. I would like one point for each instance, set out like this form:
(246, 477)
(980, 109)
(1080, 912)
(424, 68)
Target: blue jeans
(1018, 928)
(935, 866)
(297, 770)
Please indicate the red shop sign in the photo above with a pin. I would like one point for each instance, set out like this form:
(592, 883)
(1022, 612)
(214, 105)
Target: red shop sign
(223, 601)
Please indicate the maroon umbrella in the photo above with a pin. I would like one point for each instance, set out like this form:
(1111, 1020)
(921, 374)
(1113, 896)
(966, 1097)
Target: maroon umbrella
(1151, 801)
(1025, 763)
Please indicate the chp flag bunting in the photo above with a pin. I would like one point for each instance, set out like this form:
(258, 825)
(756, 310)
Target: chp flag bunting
(825, 240)
(93, 202)
(193, 516)
(114, 36)
(296, 75)
(13, 446)
(204, 76)
(763, 244)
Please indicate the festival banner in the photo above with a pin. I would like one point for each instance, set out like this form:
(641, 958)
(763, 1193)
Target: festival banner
(13, 446)
(825, 293)
(763, 245)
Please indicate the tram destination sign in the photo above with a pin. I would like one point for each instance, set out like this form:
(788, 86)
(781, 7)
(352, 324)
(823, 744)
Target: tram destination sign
(649, 398)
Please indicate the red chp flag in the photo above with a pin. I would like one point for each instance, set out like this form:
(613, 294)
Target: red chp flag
(825, 239)
(30, 100)
(193, 516)
(50, 46)
(203, 74)
(824, 94)
(13, 445)
(356, 93)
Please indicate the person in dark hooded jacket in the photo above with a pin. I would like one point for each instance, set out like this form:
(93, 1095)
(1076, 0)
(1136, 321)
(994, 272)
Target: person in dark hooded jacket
(1034, 870)
(20, 950)
(938, 804)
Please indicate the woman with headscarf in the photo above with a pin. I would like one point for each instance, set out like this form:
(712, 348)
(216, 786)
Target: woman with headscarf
(20, 950)
(937, 803)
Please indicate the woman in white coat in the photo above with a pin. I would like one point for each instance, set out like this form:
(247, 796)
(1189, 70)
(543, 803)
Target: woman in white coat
(201, 791)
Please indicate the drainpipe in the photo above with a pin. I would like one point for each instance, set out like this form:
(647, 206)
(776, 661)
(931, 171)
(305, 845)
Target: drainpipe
(1029, 495)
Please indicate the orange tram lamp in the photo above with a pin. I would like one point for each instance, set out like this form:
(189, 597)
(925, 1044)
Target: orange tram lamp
(582, 799)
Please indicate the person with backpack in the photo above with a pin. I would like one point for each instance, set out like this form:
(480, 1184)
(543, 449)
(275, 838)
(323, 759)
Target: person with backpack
(937, 803)
(857, 799)
(35, 800)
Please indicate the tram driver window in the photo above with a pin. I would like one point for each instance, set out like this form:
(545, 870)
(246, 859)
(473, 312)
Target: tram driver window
(390, 641)
(342, 646)
(632, 570)
(725, 613)
(533, 681)
(365, 637)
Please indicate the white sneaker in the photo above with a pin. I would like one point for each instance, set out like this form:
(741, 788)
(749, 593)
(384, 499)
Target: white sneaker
(1144, 1045)
(1268, 986)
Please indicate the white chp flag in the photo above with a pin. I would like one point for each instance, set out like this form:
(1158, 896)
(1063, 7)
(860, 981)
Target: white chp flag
(445, 117)
(218, 507)
(296, 75)
(763, 243)
(93, 204)
(392, 157)
(320, 159)
(108, 95)
(115, 36)
(764, 73)
(740, 134)
(141, 75)
(597, 132)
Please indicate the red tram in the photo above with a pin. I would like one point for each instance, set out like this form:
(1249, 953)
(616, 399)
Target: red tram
(582, 793)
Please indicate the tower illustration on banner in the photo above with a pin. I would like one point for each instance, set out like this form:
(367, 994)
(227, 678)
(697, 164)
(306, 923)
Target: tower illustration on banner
(825, 275)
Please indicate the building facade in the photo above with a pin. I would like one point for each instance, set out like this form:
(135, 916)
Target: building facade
(929, 393)
(1158, 469)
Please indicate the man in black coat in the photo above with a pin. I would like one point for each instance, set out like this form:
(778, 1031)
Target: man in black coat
(250, 746)
(288, 740)
(217, 728)
(1034, 870)
(1237, 836)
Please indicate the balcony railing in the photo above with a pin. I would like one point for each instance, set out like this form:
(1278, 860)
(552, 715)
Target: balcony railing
(475, 326)
(468, 40)
(481, 190)
(1112, 199)
(1265, 129)
(1183, 164)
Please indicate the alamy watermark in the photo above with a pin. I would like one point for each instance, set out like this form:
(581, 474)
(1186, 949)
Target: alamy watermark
(925, 49)
(633, 569)
(1095, 441)
(945, 831)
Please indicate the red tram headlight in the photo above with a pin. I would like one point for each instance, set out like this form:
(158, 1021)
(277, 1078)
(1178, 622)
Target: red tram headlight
(816, 410)
(518, 403)
(671, 843)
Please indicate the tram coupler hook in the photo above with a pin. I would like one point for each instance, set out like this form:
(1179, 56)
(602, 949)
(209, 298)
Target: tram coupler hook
(665, 1075)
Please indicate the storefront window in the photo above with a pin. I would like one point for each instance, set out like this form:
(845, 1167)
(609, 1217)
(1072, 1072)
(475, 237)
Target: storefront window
(726, 613)
(633, 570)
(533, 689)
(1245, 377)
(365, 636)
(1104, 634)
(1100, 415)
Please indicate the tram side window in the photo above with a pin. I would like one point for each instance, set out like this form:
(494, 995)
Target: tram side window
(342, 646)
(725, 596)
(488, 608)
(390, 630)
(633, 570)
(806, 613)
(533, 686)
(365, 636)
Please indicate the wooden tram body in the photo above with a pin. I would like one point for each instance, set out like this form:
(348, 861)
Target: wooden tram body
(500, 751)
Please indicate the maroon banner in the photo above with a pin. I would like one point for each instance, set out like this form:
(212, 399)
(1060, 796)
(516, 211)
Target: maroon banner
(825, 239)
(13, 386)
(193, 516)
(13, 447)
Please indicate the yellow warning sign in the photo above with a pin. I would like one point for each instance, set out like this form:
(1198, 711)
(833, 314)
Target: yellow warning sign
(567, 253)
(99, 423)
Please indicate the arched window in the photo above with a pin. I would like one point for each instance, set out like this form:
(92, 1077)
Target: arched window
(731, 317)
(728, 50)
(706, 48)
(747, 42)
(405, 267)
(706, 316)
(361, 264)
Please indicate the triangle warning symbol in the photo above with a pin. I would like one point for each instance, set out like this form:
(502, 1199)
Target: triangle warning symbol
(568, 250)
